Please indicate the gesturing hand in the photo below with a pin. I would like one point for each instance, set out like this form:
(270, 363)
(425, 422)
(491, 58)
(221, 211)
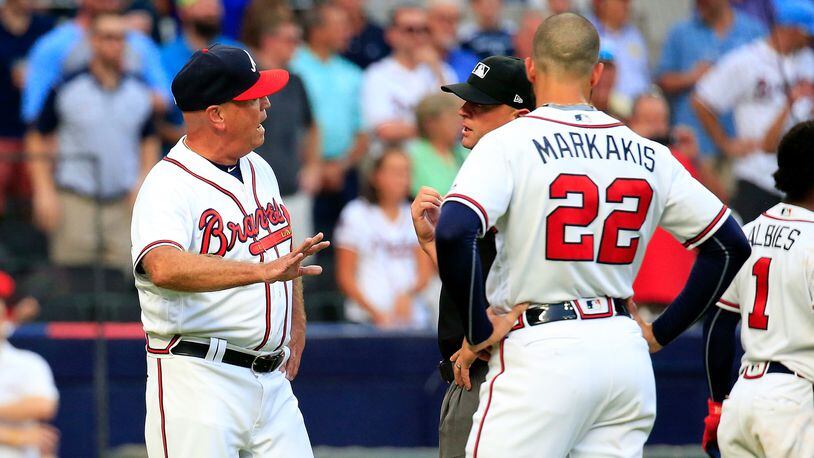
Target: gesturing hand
(425, 210)
(289, 267)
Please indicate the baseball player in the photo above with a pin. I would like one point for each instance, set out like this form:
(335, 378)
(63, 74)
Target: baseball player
(770, 411)
(214, 263)
(574, 196)
(496, 92)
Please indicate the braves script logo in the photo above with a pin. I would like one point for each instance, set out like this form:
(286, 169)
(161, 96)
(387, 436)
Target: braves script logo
(227, 235)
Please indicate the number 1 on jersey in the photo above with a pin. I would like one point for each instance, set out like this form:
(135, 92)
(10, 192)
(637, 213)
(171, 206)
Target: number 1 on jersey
(758, 318)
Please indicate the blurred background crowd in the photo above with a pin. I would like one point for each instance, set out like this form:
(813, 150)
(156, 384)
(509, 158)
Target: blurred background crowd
(87, 110)
(362, 125)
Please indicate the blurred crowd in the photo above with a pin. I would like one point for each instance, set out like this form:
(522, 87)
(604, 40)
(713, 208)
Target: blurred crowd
(361, 126)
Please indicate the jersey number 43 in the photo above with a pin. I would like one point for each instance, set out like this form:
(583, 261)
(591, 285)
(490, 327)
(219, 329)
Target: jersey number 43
(610, 252)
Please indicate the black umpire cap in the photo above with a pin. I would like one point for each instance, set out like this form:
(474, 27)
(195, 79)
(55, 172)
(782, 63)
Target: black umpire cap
(221, 73)
(496, 80)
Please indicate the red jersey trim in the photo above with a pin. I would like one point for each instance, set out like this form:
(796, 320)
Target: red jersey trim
(476, 204)
(585, 126)
(729, 304)
(211, 183)
(156, 244)
(708, 228)
(162, 351)
(784, 219)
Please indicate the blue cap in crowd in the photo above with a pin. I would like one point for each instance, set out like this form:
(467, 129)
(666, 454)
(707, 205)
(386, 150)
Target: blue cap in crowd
(795, 13)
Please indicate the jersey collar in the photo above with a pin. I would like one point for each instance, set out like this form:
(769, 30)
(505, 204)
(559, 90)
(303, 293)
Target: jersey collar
(201, 166)
(575, 115)
(788, 212)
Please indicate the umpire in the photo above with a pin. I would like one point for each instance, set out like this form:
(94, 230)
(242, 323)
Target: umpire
(495, 93)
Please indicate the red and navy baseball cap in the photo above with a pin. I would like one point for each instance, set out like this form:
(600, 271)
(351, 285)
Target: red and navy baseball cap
(219, 74)
(496, 80)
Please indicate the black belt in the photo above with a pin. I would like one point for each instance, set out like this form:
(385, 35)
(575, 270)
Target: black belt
(259, 364)
(559, 311)
(779, 368)
(448, 375)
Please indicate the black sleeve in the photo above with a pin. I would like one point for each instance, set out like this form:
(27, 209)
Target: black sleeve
(148, 128)
(48, 119)
(719, 259)
(459, 267)
(719, 350)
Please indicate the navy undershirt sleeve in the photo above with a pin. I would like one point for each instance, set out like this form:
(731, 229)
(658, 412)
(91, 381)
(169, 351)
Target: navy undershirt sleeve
(719, 350)
(719, 259)
(459, 267)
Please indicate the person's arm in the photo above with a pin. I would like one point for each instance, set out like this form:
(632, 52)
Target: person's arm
(395, 131)
(297, 342)
(346, 266)
(425, 269)
(41, 152)
(44, 437)
(732, 147)
(29, 408)
(718, 261)
(149, 155)
(425, 209)
(678, 82)
(170, 268)
(311, 171)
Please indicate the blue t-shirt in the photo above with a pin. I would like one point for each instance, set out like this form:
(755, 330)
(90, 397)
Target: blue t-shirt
(692, 41)
(333, 87)
(13, 49)
(64, 50)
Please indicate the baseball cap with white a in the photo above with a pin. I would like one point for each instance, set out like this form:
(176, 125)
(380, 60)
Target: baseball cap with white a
(795, 13)
(221, 73)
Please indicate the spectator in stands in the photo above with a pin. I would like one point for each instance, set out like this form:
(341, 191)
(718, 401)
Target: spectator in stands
(292, 137)
(529, 21)
(443, 17)
(367, 43)
(66, 50)
(393, 86)
(333, 85)
(379, 265)
(691, 48)
(769, 85)
(28, 400)
(436, 155)
(489, 34)
(625, 41)
(551, 7)
(200, 27)
(19, 309)
(605, 96)
(259, 15)
(19, 29)
(103, 112)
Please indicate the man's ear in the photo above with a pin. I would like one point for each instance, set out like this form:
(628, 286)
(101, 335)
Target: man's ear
(530, 70)
(596, 73)
(214, 114)
(520, 112)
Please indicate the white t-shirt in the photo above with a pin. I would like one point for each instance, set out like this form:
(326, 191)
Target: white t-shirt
(189, 204)
(575, 197)
(774, 290)
(23, 374)
(386, 257)
(390, 91)
(751, 82)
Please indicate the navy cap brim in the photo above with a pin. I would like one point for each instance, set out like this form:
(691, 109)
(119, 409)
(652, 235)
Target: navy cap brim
(469, 93)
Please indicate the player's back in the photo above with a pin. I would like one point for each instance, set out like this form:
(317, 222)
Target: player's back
(581, 197)
(774, 290)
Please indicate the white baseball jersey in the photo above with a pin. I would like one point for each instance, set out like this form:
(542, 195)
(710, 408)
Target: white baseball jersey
(386, 257)
(774, 290)
(23, 374)
(575, 196)
(189, 204)
(752, 81)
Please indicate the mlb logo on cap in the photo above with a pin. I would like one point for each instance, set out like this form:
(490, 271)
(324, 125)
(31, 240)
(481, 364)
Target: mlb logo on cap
(481, 70)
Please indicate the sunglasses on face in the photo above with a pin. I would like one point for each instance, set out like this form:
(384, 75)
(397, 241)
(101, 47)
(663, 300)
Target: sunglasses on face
(415, 29)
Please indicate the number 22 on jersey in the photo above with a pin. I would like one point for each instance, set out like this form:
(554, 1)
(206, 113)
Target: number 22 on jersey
(610, 252)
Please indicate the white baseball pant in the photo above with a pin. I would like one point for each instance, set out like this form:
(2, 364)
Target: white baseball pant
(771, 415)
(581, 388)
(200, 408)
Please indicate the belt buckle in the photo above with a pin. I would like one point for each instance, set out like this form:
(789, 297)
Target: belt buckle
(271, 360)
